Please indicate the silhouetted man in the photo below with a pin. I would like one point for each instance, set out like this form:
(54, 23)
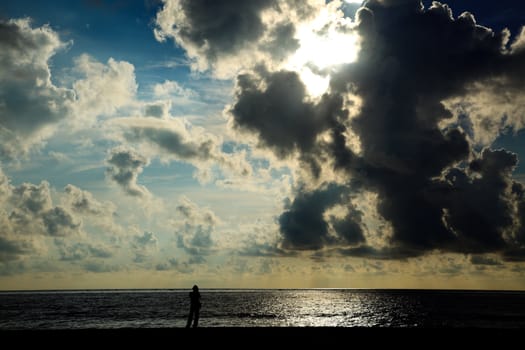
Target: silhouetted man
(195, 306)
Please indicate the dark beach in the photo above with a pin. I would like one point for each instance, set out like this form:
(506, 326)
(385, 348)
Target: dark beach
(267, 336)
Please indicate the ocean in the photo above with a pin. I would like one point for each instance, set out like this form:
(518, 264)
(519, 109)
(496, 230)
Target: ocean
(149, 309)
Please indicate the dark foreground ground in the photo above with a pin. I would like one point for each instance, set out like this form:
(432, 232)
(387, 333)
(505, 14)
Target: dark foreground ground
(260, 338)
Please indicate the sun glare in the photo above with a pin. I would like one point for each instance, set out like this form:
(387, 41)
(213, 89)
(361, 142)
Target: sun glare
(315, 84)
(326, 50)
(321, 49)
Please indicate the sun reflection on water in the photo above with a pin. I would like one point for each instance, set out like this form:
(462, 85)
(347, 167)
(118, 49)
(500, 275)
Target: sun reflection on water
(314, 308)
(332, 308)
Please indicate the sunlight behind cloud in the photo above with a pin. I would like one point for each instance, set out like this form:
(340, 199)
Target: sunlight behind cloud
(325, 50)
(315, 84)
(323, 45)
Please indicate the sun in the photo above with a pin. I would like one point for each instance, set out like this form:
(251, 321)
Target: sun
(321, 49)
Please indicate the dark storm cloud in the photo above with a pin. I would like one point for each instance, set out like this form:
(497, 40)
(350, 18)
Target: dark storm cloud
(518, 191)
(273, 106)
(516, 252)
(515, 255)
(480, 207)
(124, 168)
(303, 224)
(222, 26)
(212, 29)
(434, 188)
(413, 59)
(499, 15)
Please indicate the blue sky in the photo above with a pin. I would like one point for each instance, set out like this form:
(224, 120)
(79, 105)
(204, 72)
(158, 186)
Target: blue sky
(261, 144)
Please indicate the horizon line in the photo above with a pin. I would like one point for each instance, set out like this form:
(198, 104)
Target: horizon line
(255, 289)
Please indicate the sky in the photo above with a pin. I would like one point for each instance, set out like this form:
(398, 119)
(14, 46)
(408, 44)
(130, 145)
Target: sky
(262, 144)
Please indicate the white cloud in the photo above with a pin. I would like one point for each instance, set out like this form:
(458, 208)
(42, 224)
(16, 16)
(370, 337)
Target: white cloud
(519, 42)
(158, 109)
(144, 246)
(172, 88)
(30, 104)
(194, 228)
(98, 214)
(490, 107)
(5, 187)
(307, 36)
(174, 136)
(83, 202)
(124, 167)
(78, 251)
(32, 212)
(58, 157)
(177, 139)
(27, 216)
(105, 88)
(12, 248)
(33, 226)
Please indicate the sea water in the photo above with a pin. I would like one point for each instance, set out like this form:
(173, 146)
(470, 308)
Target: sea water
(113, 309)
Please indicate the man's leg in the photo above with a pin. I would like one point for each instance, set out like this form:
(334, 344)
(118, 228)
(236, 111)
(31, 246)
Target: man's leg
(196, 322)
(190, 318)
